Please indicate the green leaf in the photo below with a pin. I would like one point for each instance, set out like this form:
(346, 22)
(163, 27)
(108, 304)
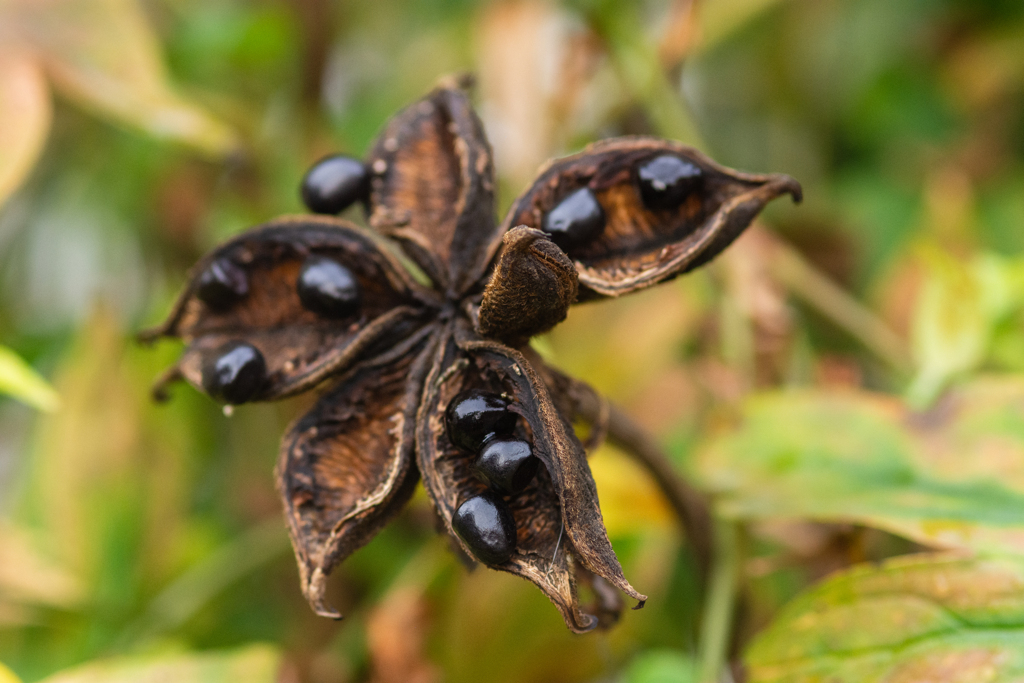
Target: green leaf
(950, 478)
(661, 666)
(914, 619)
(18, 379)
(956, 316)
(720, 20)
(253, 664)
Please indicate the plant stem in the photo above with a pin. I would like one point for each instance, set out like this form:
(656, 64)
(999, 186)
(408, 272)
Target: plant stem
(688, 503)
(818, 290)
(716, 625)
(625, 433)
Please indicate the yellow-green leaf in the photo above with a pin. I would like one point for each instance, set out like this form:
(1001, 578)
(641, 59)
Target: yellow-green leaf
(915, 619)
(950, 478)
(722, 18)
(25, 114)
(955, 317)
(7, 676)
(661, 666)
(29, 576)
(18, 379)
(252, 664)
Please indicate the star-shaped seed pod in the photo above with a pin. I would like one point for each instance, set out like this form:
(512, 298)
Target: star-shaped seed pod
(438, 382)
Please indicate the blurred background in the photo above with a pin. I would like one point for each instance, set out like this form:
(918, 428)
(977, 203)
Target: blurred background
(137, 134)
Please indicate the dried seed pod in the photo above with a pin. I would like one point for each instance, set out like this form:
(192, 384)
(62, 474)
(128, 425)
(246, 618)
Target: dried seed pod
(300, 346)
(484, 522)
(335, 183)
(298, 301)
(432, 188)
(532, 287)
(556, 515)
(646, 241)
(345, 468)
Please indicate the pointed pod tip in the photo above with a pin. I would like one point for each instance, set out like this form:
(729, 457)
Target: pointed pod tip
(327, 611)
(640, 604)
(149, 336)
(159, 392)
(796, 192)
(314, 589)
(586, 624)
(786, 184)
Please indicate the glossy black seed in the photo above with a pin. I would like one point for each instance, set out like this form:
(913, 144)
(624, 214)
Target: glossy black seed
(575, 220)
(222, 285)
(334, 184)
(235, 373)
(327, 287)
(475, 416)
(666, 181)
(507, 465)
(485, 523)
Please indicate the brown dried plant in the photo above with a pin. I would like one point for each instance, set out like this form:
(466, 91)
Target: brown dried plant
(399, 353)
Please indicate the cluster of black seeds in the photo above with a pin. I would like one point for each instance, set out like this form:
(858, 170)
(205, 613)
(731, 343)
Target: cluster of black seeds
(236, 371)
(664, 183)
(480, 423)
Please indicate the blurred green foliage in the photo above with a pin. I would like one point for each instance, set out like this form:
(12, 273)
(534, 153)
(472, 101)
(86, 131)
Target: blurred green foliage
(148, 132)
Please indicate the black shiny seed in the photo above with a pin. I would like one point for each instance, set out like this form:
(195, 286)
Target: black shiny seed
(475, 416)
(576, 220)
(508, 465)
(222, 285)
(666, 181)
(235, 373)
(327, 287)
(334, 184)
(485, 523)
